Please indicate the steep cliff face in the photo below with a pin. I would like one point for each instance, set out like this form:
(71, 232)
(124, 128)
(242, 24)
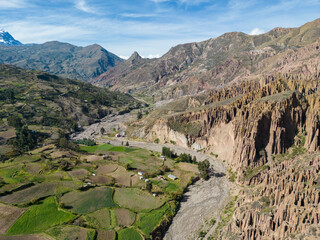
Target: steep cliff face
(269, 135)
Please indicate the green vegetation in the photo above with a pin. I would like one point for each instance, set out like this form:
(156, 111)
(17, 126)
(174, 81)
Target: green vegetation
(189, 128)
(204, 167)
(232, 175)
(225, 217)
(86, 141)
(148, 221)
(99, 219)
(76, 183)
(40, 217)
(252, 172)
(129, 233)
(136, 199)
(89, 201)
(106, 148)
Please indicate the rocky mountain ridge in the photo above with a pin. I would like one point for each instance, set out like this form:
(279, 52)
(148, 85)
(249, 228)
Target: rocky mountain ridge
(194, 67)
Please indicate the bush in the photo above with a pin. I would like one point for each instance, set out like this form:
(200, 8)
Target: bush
(86, 141)
(204, 167)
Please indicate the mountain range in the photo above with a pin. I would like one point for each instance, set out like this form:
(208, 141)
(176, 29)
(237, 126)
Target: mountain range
(185, 69)
(194, 67)
(63, 59)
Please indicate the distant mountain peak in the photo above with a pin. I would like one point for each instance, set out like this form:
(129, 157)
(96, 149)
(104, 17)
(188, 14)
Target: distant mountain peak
(135, 55)
(7, 40)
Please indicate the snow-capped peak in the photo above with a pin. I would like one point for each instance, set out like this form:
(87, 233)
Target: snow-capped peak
(7, 39)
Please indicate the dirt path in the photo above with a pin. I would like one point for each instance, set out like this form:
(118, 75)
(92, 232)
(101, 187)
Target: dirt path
(200, 203)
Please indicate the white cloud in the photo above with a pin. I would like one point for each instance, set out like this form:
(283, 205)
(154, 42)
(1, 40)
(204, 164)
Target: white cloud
(7, 4)
(153, 56)
(83, 6)
(256, 31)
(30, 32)
(186, 2)
(137, 15)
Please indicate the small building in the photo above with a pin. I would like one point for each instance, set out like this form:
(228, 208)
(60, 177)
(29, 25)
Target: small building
(154, 194)
(161, 177)
(118, 135)
(172, 177)
(147, 180)
(140, 173)
(141, 177)
(123, 134)
(93, 174)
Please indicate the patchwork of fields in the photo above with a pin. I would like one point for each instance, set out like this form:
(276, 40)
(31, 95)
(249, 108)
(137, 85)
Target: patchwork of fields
(95, 193)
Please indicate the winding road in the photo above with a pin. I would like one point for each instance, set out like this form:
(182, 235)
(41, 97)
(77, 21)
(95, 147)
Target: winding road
(203, 201)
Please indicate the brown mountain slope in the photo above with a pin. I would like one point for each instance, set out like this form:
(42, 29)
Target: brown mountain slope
(194, 67)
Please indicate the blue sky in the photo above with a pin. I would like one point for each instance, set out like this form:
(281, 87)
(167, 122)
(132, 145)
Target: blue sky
(150, 27)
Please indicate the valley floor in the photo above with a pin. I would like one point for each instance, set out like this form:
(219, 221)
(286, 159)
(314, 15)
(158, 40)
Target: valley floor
(204, 201)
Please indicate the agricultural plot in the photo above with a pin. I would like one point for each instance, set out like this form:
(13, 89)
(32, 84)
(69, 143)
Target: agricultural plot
(28, 237)
(123, 177)
(129, 233)
(31, 193)
(124, 217)
(40, 217)
(148, 221)
(106, 235)
(70, 233)
(89, 201)
(8, 215)
(99, 219)
(105, 169)
(116, 205)
(136, 199)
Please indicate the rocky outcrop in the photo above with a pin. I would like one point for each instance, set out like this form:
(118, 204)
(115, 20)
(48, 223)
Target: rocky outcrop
(269, 136)
(281, 202)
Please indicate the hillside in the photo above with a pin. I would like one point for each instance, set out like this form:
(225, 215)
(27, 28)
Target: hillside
(63, 59)
(194, 67)
(267, 134)
(47, 103)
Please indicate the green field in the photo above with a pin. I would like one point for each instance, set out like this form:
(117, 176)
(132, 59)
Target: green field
(148, 221)
(117, 206)
(89, 201)
(99, 219)
(129, 234)
(40, 217)
(136, 199)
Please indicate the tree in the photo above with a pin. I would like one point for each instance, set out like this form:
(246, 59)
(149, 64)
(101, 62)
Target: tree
(15, 121)
(149, 186)
(139, 115)
(102, 130)
(204, 167)
(25, 139)
(127, 144)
